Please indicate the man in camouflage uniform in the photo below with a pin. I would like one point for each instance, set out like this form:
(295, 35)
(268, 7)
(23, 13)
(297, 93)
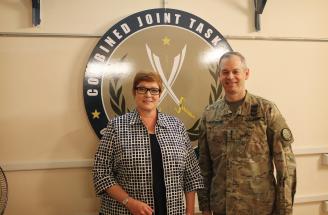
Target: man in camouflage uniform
(243, 137)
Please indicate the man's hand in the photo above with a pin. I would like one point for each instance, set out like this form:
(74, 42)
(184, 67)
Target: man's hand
(138, 208)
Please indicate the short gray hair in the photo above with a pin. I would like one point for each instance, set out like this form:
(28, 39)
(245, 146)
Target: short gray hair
(228, 55)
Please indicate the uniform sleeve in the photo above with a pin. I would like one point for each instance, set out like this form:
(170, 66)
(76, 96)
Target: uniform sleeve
(192, 177)
(103, 176)
(205, 167)
(280, 139)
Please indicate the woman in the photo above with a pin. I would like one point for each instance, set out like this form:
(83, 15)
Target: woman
(145, 163)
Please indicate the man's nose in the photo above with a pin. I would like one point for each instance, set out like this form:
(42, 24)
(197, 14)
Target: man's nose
(230, 75)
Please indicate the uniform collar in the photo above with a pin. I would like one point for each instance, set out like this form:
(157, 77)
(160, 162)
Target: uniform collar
(243, 109)
(225, 109)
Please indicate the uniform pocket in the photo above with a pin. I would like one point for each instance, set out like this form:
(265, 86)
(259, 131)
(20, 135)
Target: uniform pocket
(264, 197)
(217, 139)
(257, 145)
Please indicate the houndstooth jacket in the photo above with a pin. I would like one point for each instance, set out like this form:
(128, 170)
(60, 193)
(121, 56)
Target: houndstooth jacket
(124, 157)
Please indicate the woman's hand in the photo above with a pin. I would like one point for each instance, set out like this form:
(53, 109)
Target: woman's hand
(138, 208)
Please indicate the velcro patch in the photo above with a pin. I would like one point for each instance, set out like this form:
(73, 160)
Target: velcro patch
(286, 134)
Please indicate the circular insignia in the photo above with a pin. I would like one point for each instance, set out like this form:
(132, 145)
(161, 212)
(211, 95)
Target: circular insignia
(181, 47)
(286, 134)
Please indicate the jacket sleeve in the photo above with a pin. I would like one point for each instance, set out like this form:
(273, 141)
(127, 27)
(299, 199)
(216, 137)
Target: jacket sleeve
(280, 139)
(192, 177)
(103, 176)
(205, 167)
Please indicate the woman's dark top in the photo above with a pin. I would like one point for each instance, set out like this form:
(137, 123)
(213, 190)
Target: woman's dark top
(158, 177)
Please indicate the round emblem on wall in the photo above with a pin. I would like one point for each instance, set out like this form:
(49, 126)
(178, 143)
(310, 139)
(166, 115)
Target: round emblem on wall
(181, 47)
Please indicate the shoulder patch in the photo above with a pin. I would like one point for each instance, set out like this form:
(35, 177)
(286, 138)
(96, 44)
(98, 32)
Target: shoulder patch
(286, 134)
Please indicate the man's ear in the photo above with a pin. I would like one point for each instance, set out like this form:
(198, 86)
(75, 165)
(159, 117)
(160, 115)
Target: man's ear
(247, 73)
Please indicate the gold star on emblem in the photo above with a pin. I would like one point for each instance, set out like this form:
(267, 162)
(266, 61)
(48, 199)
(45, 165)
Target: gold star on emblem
(166, 41)
(95, 114)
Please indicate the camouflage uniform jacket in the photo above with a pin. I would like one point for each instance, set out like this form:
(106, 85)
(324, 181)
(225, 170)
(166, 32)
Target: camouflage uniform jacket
(238, 153)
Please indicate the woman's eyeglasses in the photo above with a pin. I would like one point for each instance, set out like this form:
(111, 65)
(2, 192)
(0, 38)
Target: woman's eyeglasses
(144, 90)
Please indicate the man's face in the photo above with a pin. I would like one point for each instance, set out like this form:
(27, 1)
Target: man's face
(233, 75)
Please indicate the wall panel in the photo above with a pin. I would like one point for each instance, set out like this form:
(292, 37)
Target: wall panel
(51, 192)
(43, 110)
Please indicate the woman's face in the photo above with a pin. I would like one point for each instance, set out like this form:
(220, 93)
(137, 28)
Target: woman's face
(147, 96)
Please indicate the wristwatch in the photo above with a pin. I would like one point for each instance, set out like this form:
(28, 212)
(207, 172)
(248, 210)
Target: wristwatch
(125, 201)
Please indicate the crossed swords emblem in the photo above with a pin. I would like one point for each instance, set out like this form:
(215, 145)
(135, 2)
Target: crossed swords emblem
(176, 68)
